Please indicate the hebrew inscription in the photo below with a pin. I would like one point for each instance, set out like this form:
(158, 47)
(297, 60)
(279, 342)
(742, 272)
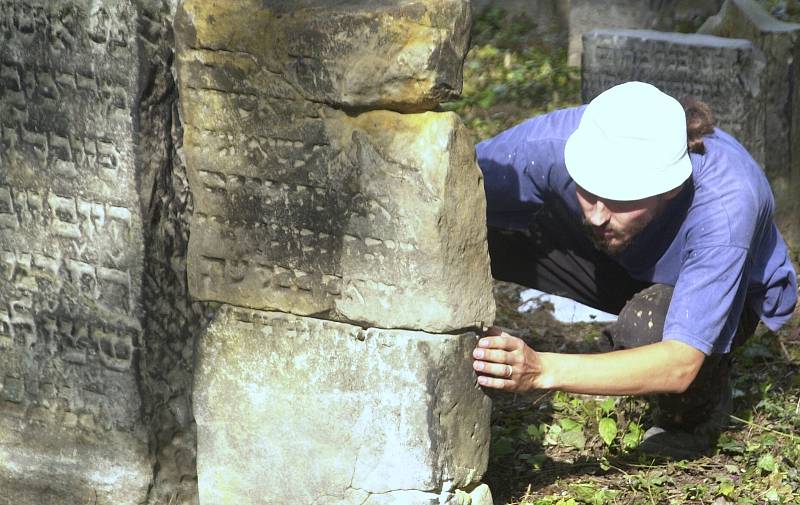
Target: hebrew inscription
(301, 207)
(70, 241)
(725, 73)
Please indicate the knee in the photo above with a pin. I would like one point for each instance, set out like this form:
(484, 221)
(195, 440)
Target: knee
(641, 320)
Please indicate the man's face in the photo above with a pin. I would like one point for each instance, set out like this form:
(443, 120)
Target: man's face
(612, 223)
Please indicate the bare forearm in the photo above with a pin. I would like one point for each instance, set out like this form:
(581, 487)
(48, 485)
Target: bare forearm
(666, 367)
(506, 362)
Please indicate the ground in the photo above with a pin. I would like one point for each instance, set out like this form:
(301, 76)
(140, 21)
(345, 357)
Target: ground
(556, 448)
(562, 449)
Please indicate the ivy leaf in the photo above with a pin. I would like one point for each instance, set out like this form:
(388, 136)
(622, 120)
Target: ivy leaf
(608, 430)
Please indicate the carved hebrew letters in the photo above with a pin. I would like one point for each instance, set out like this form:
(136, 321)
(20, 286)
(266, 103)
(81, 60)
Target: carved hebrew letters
(304, 208)
(70, 232)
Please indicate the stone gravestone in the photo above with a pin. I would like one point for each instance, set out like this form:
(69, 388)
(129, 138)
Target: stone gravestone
(342, 227)
(71, 256)
(725, 73)
(780, 43)
(585, 16)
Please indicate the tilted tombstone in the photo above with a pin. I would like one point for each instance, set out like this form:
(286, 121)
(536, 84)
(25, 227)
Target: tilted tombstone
(71, 255)
(323, 189)
(780, 43)
(725, 73)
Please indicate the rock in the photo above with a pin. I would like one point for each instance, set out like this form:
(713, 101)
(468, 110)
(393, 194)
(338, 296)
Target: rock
(779, 41)
(68, 465)
(376, 218)
(348, 414)
(727, 74)
(383, 54)
(71, 255)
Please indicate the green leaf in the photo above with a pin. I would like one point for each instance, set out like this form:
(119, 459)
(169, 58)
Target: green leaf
(570, 424)
(583, 492)
(726, 488)
(608, 430)
(502, 447)
(772, 495)
(535, 432)
(553, 432)
(573, 438)
(607, 405)
(631, 438)
(767, 463)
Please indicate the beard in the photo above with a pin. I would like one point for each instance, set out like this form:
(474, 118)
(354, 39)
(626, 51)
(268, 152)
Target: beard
(611, 240)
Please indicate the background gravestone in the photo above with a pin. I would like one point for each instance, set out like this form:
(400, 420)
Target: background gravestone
(315, 196)
(725, 73)
(585, 16)
(71, 256)
(780, 44)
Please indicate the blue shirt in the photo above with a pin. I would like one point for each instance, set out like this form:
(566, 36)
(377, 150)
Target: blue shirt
(716, 242)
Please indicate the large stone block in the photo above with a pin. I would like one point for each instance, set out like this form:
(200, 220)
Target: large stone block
(780, 43)
(71, 254)
(725, 73)
(384, 54)
(343, 414)
(376, 218)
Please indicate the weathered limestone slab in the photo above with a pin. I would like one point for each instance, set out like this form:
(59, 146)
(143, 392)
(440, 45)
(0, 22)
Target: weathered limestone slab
(376, 218)
(780, 43)
(346, 415)
(71, 254)
(585, 16)
(383, 54)
(725, 73)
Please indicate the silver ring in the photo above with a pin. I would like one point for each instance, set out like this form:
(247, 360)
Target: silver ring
(510, 371)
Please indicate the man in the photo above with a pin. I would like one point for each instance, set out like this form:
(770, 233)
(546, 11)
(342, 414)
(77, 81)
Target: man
(606, 204)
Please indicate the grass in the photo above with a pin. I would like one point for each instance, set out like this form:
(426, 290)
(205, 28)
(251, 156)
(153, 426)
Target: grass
(563, 449)
(558, 448)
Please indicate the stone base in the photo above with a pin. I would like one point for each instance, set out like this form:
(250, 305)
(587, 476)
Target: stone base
(45, 464)
(291, 409)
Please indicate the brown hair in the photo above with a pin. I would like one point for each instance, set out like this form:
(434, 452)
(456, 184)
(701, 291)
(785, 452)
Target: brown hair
(699, 122)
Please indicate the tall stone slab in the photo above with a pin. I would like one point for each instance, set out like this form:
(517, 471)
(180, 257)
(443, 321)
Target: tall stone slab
(70, 255)
(320, 411)
(331, 200)
(728, 74)
(307, 204)
(780, 43)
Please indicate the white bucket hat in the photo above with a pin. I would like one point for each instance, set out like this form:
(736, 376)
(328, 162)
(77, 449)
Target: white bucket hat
(630, 144)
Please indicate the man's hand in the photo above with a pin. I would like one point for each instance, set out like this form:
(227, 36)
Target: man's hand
(506, 362)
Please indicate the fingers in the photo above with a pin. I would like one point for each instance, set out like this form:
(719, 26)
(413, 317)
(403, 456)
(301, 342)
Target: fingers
(491, 382)
(504, 341)
(497, 369)
(493, 355)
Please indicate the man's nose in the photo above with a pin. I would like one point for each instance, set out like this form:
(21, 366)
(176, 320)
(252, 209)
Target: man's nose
(598, 214)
